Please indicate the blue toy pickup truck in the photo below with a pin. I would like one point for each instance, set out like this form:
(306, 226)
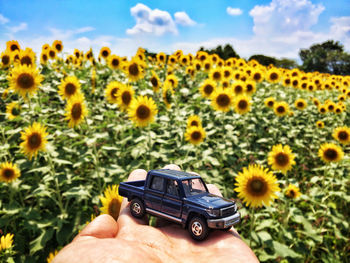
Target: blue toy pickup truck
(182, 198)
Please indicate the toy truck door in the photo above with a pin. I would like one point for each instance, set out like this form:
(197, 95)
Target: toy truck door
(172, 203)
(154, 192)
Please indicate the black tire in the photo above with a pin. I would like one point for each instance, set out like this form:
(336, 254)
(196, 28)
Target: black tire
(198, 228)
(137, 209)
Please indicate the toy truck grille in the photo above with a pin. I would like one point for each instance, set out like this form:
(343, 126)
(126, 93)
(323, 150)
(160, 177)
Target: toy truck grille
(227, 211)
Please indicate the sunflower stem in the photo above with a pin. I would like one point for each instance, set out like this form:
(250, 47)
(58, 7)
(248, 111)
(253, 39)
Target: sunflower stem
(252, 222)
(149, 161)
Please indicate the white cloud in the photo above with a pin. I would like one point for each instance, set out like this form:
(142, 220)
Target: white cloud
(3, 20)
(283, 17)
(183, 19)
(20, 27)
(233, 11)
(150, 21)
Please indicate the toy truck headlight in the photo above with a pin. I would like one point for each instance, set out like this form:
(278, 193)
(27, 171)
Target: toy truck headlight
(213, 212)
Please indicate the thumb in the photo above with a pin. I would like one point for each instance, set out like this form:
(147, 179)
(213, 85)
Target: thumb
(103, 226)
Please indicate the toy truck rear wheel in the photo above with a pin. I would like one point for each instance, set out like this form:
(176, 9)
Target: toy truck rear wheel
(198, 228)
(137, 208)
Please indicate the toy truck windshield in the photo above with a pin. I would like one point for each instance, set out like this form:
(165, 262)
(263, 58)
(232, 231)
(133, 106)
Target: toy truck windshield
(194, 187)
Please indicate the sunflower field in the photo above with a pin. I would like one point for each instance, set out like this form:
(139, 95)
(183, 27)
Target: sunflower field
(73, 126)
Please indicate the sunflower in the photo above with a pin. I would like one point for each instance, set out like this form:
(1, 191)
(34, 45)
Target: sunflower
(227, 72)
(342, 134)
(125, 96)
(172, 59)
(238, 87)
(111, 92)
(300, 104)
(207, 65)
(281, 108)
(44, 57)
(76, 53)
(5, 94)
(27, 57)
(338, 109)
(292, 191)
(142, 111)
(167, 95)
(24, 80)
(52, 53)
(134, 70)
(105, 52)
(207, 88)
(256, 185)
(215, 74)
(6, 242)
(114, 62)
(194, 120)
(155, 81)
(257, 75)
(322, 109)
(172, 80)
(69, 87)
(195, 134)
(5, 59)
(161, 57)
(221, 99)
(242, 104)
(250, 87)
(330, 106)
(9, 172)
(75, 110)
(295, 82)
(287, 81)
(51, 256)
(269, 102)
(57, 45)
(13, 110)
(12, 46)
(329, 152)
(281, 158)
(34, 139)
(320, 124)
(273, 75)
(111, 201)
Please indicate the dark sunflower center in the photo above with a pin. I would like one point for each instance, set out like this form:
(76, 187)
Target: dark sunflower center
(319, 124)
(273, 76)
(323, 110)
(227, 73)
(249, 87)
(5, 59)
(26, 60)
(34, 140)
(242, 104)
(154, 82)
(14, 47)
(76, 111)
(343, 135)
(300, 104)
(281, 109)
(207, 66)
(114, 93)
(282, 159)
(52, 53)
(330, 154)
(70, 88)
(194, 123)
(292, 193)
(115, 62)
(287, 81)
(126, 98)
(198, 66)
(208, 89)
(143, 112)
(113, 208)
(25, 81)
(304, 85)
(225, 84)
(172, 60)
(223, 100)
(77, 54)
(257, 76)
(196, 135)
(16, 57)
(257, 187)
(8, 173)
(172, 82)
(134, 69)
(105, 53)
(58, 47)
(337, 110)
(270, 103)
(202, 58)
(161, 58)
(238, 89)
(44, 57)
(15, 111)
(331, 107)
(295, 83)
(216, 75)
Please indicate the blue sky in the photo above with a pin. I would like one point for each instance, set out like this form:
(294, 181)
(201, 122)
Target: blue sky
(272, 27)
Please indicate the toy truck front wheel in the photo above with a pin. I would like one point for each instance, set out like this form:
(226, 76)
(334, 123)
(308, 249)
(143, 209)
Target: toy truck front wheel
(198, 228)
(137, 208)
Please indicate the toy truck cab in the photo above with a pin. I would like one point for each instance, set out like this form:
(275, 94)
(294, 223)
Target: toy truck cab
(182, 198)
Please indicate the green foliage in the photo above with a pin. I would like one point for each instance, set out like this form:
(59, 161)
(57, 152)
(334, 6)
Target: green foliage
(224, 53)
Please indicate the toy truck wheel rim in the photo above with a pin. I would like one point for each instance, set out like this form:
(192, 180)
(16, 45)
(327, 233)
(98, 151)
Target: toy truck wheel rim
(136, 208)
(197, 228)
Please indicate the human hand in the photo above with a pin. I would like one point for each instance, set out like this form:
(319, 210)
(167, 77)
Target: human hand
(133, 240)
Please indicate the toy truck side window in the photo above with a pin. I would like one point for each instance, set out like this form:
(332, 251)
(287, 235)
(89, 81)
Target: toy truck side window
(172, 188)
(157, 183)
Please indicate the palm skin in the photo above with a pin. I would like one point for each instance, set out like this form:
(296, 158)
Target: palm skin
(133, 240)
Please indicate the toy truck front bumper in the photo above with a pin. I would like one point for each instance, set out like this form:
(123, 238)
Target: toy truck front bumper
(224, 222)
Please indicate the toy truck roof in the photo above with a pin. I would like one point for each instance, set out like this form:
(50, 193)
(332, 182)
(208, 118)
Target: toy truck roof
(173, 174)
